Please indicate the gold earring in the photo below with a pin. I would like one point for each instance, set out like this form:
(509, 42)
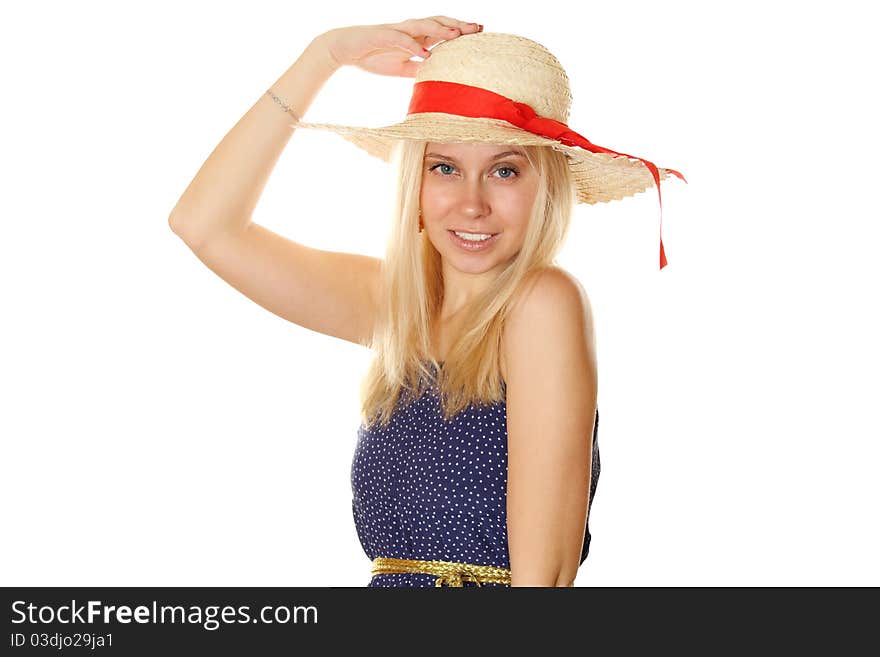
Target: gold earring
(421, 225)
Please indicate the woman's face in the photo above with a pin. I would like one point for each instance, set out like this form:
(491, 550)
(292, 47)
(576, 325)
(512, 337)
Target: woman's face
(478, 189)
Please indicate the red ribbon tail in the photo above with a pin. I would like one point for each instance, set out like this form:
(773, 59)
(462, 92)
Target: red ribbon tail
(676, 173)
(574, 139)
(656, 174)
(657, 180)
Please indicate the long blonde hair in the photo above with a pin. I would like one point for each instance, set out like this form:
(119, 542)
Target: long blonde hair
(412, 295)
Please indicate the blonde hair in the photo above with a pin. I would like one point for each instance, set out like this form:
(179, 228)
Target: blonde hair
(412, 295)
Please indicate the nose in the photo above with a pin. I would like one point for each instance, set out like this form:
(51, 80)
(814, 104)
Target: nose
(473, 202)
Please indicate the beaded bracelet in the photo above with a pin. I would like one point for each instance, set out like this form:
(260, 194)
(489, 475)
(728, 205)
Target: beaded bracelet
(283, 105)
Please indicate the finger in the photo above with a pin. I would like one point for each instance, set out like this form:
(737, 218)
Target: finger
(427, 29)
(428, 41)
(404, 41)
(446, 21)
(439, 31)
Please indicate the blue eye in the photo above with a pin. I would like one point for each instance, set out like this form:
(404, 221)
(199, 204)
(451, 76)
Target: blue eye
(447, 166)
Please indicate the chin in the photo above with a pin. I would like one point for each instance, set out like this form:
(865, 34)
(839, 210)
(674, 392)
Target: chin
(469, 264)
(472, 267)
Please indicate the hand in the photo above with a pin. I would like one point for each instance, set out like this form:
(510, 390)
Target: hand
(386, 49)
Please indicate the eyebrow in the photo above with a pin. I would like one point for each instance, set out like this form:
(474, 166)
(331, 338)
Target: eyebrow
(438, 156)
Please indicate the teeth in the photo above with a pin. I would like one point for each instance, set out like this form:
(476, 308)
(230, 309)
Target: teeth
(473, 237)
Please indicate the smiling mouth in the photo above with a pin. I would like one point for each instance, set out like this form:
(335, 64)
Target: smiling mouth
(474, 244)
(468, 232)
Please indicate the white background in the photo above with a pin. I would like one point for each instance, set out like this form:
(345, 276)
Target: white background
(159, 428)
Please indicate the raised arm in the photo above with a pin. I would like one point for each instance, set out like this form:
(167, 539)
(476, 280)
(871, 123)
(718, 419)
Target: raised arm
(222, 196)
(329, 292)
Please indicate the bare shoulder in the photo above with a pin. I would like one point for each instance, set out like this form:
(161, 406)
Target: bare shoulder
(551, 281)
(551, 307)
(552, 393)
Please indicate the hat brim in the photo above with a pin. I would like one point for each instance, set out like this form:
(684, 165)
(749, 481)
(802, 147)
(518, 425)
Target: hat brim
(598, 177)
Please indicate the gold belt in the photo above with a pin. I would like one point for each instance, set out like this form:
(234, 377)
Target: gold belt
(446, 571)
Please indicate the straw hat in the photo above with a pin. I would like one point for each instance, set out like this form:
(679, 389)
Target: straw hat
(499, 88)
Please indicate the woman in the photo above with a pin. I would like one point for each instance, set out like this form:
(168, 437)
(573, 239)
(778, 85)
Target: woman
(477, 458)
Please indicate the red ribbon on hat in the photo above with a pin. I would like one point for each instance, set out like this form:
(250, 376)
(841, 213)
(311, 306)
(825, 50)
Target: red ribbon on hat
(476, 102)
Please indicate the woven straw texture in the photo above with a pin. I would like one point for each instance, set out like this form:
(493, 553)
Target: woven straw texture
(524, 71)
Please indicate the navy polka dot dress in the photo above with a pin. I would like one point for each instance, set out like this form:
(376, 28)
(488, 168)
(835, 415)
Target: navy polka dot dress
(428, 489)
